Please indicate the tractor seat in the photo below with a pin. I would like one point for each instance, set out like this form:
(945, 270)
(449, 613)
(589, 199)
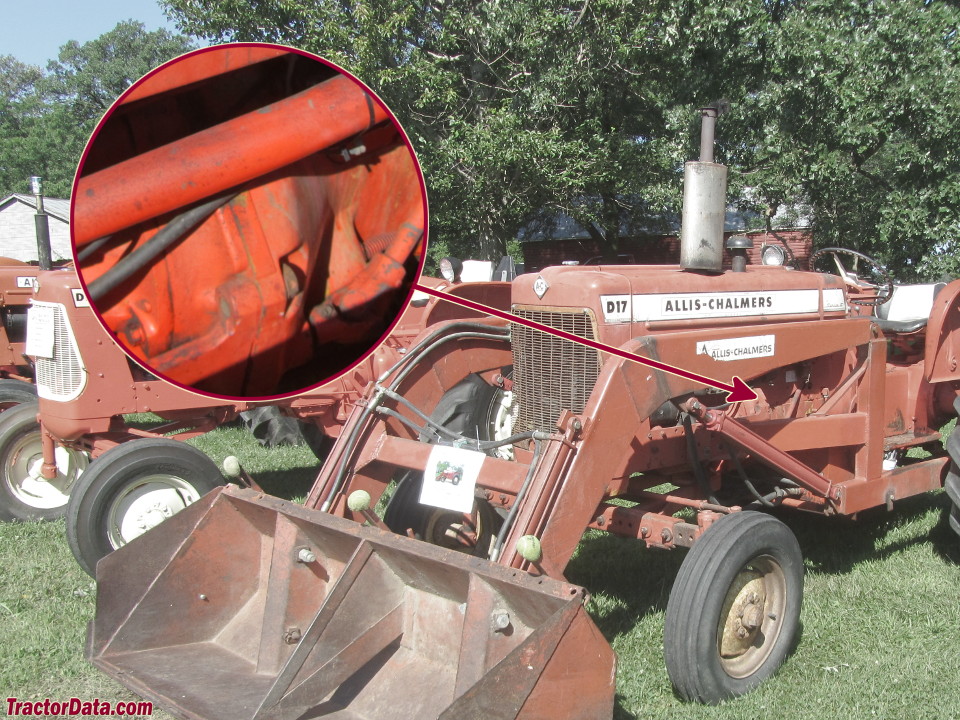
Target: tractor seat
(909, 308)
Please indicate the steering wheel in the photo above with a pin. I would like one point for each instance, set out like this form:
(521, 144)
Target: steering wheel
(884, 289)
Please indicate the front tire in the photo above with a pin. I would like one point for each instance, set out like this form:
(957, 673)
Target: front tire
(129, 490)
(14, 392)
(24, 493)
(734, 609)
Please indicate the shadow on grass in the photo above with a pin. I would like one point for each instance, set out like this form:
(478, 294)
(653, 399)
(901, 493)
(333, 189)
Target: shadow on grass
(288, 484)
(837, 544)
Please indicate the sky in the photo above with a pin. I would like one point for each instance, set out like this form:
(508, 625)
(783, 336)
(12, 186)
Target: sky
(33, 31)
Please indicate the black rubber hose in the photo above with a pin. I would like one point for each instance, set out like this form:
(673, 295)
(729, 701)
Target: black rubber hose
(694, 459)
(170, 234)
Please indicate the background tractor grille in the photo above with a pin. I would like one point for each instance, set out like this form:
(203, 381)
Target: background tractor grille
(551, 374)
(60, 377)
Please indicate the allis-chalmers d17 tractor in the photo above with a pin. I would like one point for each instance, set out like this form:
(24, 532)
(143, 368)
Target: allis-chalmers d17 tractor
(247, 606)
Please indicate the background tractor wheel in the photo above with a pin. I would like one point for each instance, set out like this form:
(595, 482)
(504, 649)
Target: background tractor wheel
(734, 609)
(14, 392)
(132, 488)
(24, 493)
(272, 428)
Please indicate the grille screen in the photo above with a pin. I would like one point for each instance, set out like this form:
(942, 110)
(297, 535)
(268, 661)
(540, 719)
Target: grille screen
(551, 374)
(60, 377)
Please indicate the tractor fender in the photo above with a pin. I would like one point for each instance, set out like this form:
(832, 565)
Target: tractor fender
(943, 336)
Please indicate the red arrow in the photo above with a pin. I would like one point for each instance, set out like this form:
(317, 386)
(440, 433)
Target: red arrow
(738, 391)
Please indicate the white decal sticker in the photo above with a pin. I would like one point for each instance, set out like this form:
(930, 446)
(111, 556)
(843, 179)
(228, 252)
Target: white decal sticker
(540, 286)
(833, 300)
(26, 282)
(79, 297)
(40, 335)
(450, 478)
(616, 308)
(684, 306)
(738, 348)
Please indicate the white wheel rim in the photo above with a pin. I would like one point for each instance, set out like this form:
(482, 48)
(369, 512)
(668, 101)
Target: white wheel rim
(25, 481)
(145, 504)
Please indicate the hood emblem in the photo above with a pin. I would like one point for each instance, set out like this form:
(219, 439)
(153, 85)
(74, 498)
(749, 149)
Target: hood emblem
(540, 286)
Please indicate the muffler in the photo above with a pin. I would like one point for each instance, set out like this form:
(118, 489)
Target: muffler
(704, 202)
(247, 606)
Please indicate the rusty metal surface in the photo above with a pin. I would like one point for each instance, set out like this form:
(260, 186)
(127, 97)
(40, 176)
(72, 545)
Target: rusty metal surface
(374, 626)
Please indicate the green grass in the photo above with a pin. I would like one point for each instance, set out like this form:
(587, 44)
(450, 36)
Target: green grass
(880, 623)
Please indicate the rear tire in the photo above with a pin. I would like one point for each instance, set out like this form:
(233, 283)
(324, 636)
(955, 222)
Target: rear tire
(952, 482)
(129, 490)
(24, 493)
(734, 609)
(15, 392)
(474, 409)
(272, 428)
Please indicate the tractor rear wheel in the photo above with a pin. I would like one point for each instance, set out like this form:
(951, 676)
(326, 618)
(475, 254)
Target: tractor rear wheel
(132, 488)
(14, 392)
(734, 609)
(952, 482)
(24, 493)
(474, 409)
(470, 533)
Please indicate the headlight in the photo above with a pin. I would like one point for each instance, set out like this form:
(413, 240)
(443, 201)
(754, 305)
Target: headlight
(773, 255)
(450, 269)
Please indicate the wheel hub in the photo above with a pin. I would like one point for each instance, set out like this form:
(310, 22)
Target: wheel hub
(146, 504)
(25, 479)
(744, 615)
(751, 617)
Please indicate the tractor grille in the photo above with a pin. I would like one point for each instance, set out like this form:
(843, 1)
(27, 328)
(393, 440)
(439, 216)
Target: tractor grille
(551, 374)
(61, 377)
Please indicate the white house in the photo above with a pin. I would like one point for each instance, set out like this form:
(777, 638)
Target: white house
(18, 233)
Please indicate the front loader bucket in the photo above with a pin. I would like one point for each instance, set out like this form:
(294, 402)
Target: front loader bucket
(246, 606)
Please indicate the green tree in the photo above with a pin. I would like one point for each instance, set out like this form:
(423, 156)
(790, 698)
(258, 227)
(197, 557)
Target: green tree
(858, 114)
(532, 107)
(517, 108)
(47, 116)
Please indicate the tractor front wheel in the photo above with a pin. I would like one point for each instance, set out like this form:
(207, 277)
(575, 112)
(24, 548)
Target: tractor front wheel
(24, 493)
(734, 609)
(132, 488)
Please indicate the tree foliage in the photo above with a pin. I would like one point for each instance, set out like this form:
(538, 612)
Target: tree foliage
(528, 108)
(47, 116)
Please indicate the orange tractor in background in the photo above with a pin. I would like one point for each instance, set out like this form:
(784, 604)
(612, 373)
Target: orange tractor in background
(16, 289)
(247, 606)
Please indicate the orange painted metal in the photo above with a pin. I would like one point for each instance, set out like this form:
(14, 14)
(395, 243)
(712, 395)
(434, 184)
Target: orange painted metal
(305, 265)
(224, 156)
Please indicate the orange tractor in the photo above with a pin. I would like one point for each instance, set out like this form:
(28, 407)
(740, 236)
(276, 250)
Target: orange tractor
(16, 288)
(246, 606)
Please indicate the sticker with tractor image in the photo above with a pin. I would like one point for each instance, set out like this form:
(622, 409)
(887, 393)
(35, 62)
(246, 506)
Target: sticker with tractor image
(450, 478)
(738, 348)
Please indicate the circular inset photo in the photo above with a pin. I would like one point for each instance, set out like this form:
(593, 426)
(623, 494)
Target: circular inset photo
(248, 221)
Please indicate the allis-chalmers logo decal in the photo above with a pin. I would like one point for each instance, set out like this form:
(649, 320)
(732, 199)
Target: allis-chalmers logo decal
(684, 306)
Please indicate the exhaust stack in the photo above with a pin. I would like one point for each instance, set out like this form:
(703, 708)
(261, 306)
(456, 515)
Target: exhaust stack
(704, 203)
